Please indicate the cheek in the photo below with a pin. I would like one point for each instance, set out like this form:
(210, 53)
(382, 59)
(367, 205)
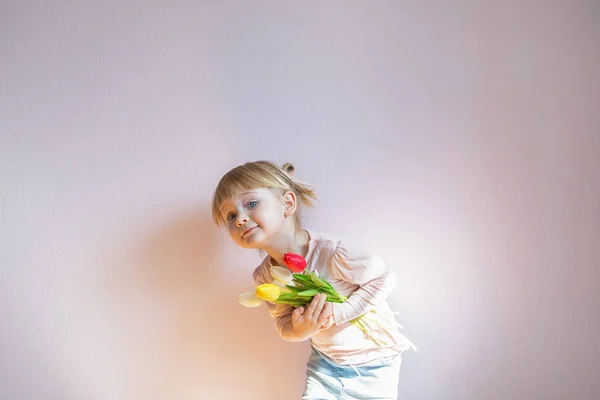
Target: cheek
(274, 221)
(231, 230)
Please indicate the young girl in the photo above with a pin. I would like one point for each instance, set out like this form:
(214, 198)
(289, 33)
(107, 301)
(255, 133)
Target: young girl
(259, 204)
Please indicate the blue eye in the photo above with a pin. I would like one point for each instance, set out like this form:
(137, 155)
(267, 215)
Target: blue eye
(230, 217)
(252, 204)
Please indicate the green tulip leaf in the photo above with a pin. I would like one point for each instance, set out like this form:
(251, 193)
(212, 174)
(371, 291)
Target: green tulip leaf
(310, 292)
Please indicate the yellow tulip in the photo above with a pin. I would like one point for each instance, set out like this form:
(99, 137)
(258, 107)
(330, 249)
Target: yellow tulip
(268, 291)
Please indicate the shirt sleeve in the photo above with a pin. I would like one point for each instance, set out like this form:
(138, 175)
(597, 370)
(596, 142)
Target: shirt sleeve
(281, 313)
(374, 279)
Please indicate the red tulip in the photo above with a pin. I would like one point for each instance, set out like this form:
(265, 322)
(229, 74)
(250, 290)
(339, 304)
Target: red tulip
(295, 262)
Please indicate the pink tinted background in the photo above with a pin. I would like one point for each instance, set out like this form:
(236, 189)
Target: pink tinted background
(458, 140)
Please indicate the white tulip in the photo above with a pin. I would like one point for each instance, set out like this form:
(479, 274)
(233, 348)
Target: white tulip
(250, 299)
(282, 276)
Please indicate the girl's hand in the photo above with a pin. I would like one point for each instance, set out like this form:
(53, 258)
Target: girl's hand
(317, 316)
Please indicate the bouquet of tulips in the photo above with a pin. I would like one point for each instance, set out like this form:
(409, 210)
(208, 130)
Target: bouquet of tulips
(297, 287)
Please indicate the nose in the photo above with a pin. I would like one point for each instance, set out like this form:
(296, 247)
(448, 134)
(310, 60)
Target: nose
(241, 219)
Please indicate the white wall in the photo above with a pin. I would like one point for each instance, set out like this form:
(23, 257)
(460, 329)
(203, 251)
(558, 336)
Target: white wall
(459, 140)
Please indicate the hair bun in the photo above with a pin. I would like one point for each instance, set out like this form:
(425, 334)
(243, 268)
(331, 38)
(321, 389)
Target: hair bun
(289, 168)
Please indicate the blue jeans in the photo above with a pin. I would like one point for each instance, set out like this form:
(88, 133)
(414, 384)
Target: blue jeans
(327, 380)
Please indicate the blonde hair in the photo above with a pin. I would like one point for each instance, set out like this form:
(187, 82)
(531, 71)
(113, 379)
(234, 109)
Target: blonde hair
(259, 174)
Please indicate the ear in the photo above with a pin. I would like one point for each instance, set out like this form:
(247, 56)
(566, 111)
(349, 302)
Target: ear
(290, 204)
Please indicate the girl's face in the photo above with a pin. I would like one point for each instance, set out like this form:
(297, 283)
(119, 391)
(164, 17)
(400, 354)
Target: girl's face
(254, 217)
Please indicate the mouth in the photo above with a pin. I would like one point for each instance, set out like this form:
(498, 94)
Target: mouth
(249, 231)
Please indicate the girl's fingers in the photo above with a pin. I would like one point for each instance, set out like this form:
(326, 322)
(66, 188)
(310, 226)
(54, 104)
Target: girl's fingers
(325, 313)
(297, 313)
(315, 306)
(320, 305)
(329, 323)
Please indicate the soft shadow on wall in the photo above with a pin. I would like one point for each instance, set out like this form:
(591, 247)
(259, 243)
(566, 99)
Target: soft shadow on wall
(202, 342)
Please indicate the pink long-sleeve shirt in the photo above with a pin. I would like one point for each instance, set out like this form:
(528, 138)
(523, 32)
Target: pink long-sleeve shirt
(362, 277)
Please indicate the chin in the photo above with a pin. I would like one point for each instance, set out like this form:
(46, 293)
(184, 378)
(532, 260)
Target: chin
(256, 241)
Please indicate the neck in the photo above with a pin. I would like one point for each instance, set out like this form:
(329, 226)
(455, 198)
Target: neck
(294, 241)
